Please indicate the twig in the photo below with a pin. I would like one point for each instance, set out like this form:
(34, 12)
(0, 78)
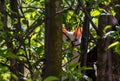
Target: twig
(30, 29)
(3, 64)
(64, 10)
(70, 60)
(89, 17)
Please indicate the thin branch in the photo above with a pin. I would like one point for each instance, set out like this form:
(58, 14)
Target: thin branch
(71, 60)
(21, 9)
(33, 26)
(89, 17)
(31, 29)
(64, 10)
(3, 64)
(33, 7)
(70, 5)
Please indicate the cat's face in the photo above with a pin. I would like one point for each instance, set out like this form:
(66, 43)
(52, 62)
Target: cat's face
(73, 36)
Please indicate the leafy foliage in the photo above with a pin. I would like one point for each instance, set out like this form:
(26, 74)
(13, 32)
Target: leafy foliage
(27, 45)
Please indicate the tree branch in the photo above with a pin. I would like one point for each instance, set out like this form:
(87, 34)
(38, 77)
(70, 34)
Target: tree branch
(89, 17)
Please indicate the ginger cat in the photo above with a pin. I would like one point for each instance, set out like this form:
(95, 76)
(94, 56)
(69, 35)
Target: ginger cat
(73, 36)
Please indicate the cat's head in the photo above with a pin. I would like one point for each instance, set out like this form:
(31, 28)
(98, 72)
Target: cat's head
(73, 36)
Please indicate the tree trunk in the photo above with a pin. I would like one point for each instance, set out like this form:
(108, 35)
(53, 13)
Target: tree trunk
(53, 39)
(84, 43)
(116, 57)
(103, 53)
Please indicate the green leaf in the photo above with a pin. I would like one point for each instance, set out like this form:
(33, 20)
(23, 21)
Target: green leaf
(1, 25)
(51, 78)
(1, 78)
(30, 10)
(14, 21)
(73, 65)
(14, 76)
(40, 49)
(95, 13)
(37, 62)
(24, 21)
(106, 28)
(117, 48)
(10, 55)
(69, 55)
(2, 52)
(113, 44)
(86, 68)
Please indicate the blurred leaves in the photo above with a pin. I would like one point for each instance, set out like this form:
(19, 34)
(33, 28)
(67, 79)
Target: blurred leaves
(51, 78)
(31, 49)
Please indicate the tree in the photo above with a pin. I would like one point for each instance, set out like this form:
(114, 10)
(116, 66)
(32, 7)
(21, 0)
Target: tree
(104, 64)
(31, 39)
(53, 40)
(14, 67)
(16, 33)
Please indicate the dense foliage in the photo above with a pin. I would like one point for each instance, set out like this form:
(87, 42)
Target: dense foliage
(25, 44)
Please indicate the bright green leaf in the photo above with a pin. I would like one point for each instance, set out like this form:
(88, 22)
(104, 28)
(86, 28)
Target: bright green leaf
(95, 13)
(51, 78)
(113, 44)
(73, 65)
(106, 28)
(86, 68)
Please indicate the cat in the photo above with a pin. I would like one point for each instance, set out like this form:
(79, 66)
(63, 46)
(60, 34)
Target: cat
(73, 36)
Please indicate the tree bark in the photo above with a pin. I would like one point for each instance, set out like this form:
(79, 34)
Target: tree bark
(115, 56)
(84, 42)
(103, 61)
(53, 40)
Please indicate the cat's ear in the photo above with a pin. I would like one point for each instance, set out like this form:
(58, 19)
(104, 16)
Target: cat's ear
(78, 32)
(64, 31)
